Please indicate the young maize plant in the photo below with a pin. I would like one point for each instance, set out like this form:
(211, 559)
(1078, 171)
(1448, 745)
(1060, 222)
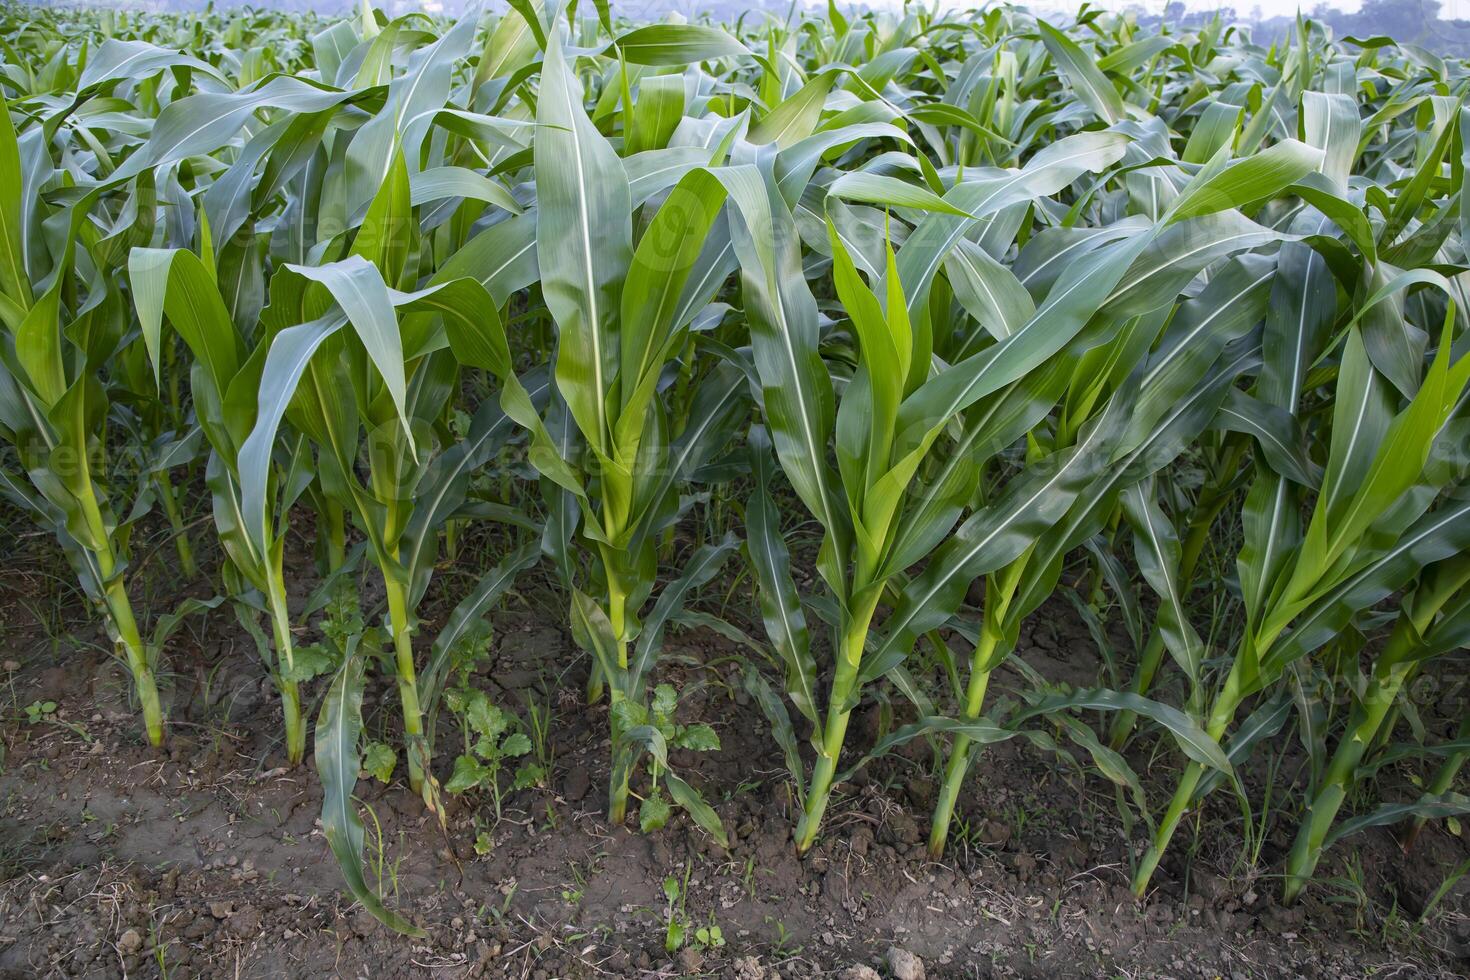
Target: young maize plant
(1115, 301)
(225, 380)
(63, 319)
(1439, 788)
(1432, 621)
(1173, 559)
(623, 314)
(1205, 346)
(1188, 202)
(403, 370)
(393, 375)
(1362, 540)
(877, 528)
(1372, 527)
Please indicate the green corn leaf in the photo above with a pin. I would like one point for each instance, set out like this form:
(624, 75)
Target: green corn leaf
(1157, 551)
(15, 280)
(583, 243)
(1247, 180)
(699, 811)
(889, 192)
(1443, 805)
(652, 292)
(1276, 433)
(338, 729)
(796, 118)
(177, 282)
(1194, 740)
(289, 354)
(797, 389)
(989, 291)
(677, 45)
(780, 605)
(1083, 74)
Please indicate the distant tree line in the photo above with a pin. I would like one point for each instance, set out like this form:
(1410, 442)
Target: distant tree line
(1406, 21)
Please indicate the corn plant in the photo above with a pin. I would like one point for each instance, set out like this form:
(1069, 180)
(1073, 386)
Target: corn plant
(1371, 528)
(1197, 358)
(227, 377)
(1441, 785)
(60, 328)
(622, 313)
(1430, 623)
(866, 548)
(1362, 538)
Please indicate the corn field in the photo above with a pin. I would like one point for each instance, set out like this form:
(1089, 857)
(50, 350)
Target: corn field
(865, 342)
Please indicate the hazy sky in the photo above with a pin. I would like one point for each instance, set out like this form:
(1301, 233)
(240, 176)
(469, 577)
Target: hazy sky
(1449, 9)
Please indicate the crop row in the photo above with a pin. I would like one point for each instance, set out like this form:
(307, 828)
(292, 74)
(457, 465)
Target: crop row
(1169, 325)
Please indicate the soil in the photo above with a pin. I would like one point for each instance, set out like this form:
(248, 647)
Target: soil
(206, 859)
